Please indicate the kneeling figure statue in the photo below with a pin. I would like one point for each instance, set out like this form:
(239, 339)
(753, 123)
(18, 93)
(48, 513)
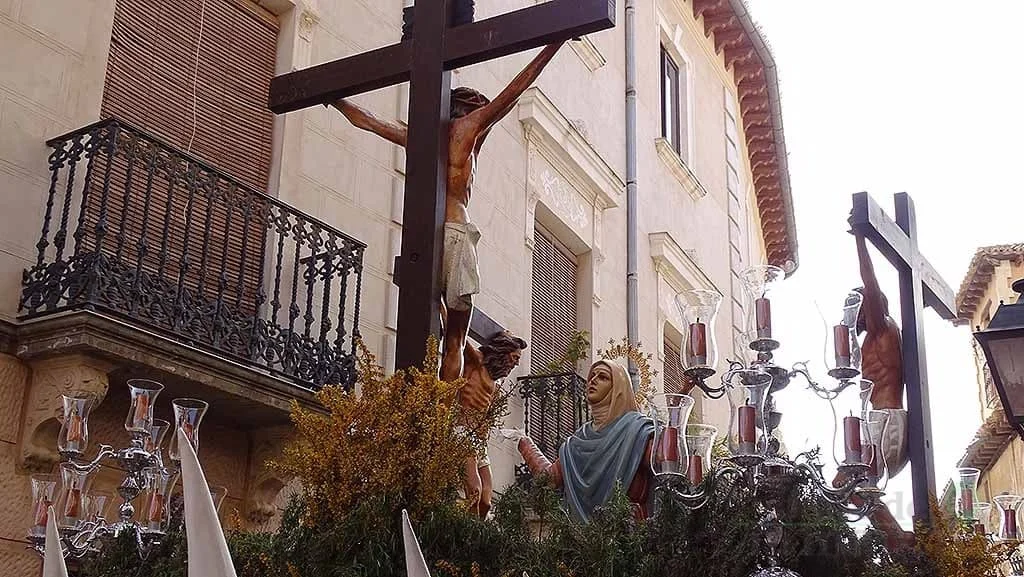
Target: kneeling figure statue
(613, 448)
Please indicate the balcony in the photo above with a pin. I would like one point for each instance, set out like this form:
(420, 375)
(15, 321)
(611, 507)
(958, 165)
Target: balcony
(145, 234)
(555, 406)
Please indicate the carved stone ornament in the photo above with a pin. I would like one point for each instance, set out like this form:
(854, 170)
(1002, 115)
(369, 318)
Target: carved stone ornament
(265, 485)
(50, 379)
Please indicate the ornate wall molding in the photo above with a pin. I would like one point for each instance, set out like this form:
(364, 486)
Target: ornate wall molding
(561, 144)
(682, 173)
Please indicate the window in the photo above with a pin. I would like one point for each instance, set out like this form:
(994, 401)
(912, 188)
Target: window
(671, 111)
(675, 381)
(557, 407)
(554, 318)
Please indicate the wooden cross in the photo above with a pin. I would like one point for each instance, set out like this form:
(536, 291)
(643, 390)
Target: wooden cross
(425, 61)
(920, 286)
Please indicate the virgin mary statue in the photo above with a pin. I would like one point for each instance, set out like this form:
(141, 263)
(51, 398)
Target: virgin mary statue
(613, 448)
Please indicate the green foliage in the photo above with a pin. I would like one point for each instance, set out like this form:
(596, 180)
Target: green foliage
(530, 532)
(577, 350)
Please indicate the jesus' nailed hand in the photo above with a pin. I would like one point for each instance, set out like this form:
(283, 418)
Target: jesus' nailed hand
(472, 117)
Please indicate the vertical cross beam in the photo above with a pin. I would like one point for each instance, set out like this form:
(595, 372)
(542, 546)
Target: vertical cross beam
(915, 368)
(425, 184)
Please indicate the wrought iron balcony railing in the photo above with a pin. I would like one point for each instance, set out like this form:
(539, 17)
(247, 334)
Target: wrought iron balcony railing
(140, 230)
(554, 407)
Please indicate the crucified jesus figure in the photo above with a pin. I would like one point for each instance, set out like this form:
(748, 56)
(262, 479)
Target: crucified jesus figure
(882, 361)
(472, 117)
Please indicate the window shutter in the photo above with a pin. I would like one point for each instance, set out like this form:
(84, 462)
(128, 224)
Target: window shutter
(149, 84)
(554, 318)
(553, 417)
(150, 76)
(673, 376)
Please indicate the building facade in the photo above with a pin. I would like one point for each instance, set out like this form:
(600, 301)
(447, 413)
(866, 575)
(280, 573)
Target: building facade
(997, 451)
(160, 223)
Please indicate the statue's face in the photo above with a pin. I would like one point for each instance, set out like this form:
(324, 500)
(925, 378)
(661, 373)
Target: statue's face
(599, 384)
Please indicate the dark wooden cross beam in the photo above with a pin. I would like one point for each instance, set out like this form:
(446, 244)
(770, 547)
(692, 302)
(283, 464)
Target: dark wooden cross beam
(920, 286)
(425, 61)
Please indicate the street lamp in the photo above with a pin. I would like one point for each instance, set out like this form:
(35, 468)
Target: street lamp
(1003, 343)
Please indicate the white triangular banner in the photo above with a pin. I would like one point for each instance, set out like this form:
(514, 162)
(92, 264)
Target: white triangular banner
(53, 561)
(415, 564)
(207, 549)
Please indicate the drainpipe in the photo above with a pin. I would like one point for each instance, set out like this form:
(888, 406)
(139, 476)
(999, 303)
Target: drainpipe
(632, 308)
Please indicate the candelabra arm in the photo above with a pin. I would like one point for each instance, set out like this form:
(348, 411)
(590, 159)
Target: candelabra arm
(106, 452)
(835, 495)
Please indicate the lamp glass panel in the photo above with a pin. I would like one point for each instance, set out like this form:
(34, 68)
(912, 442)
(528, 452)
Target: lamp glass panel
(1008, 357)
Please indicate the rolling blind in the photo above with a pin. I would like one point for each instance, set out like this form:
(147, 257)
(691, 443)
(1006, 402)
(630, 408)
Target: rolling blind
(554, 301)
(152, 66)
(149, 83)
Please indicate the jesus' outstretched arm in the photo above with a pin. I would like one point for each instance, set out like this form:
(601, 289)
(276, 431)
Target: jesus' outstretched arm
(502, 104)
(873, 308)
(364, 119)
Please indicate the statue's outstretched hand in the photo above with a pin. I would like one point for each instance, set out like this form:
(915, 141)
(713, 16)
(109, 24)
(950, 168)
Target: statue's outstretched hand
(511, 434)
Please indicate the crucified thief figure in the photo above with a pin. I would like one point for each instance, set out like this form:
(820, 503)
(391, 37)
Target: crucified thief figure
(472, 117)
(882, 361)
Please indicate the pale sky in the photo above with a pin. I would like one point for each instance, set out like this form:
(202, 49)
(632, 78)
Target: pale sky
(890, 96)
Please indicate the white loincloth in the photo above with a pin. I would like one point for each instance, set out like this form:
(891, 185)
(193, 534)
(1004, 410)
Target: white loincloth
(894, 441)
(461, 274)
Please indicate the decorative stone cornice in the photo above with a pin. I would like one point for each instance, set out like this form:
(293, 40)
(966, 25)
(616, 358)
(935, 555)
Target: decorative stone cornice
(737, 38)
(265, 399)
(676, 266)
(687, 179)
(979, 276)
(562, 144)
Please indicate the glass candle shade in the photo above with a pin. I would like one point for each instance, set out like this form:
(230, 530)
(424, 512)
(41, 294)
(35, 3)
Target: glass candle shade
(747, 390)
(758, 282)
(866, 389)
(73, 438)
(699, 308)
(96, 505)
(1008, 506)
(218, 493)
(153, 442)
(74, 490)
(188, 414)
(966, 492)
(874, 423)
(670, 413)
(843, 351)
(983, 518)
(44, 491)
(140, 412)
(156, 513)
(700, 439)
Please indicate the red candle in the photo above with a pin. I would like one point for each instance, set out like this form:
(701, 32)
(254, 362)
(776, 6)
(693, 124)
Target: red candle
(870, 456)
(979, 529)
(967, 503)
(841, 334)
(142, 411)
(73, 503)
(668, 446)
(851, 428)
(156, 508)
(695, 469)
(698, 343)
(42, 512)
(747, 429)
(1010, 523)
(763, 314)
